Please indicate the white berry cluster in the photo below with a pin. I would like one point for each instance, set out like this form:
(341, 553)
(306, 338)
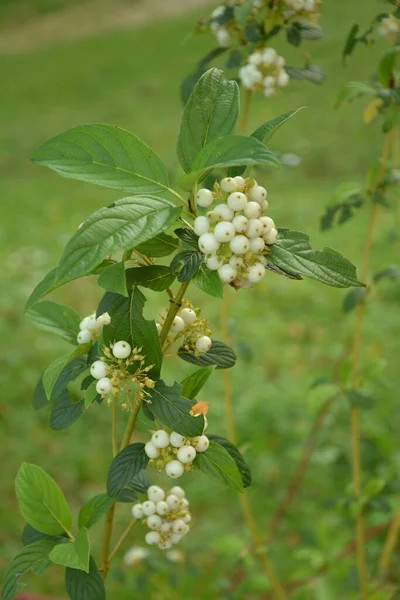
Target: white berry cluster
(236, 233)
(221, 32)
(167, 516)
(389, 26)
(89, 327)
(264, 72)
(174, 452)
(190, 327)
(303, 6)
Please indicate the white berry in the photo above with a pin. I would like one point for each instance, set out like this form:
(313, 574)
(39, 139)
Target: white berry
(149, 508)
(227, 273)
(137, 511)
(204, 197)
(84, 323)
(91, 323)
(159, 328)
(236, 261)
(154, 522)
(152, 538)
(151, 450)
(175, 538)
(224, 232)
(203, 343)
(162, 508)
(258, 194)
(214, 263)
(254, 228)
(160, 438)
(228, 184)
(188, 315)
(121, 350)
(267, 224)
(173, 501)
(104, 386)
(84, 336)
(283, 79)
(256, 273)
(155, 493)
(224, 212)
(239, 181)
(237, 201)
(257, 245)
(166, 526)
(208, 244)
(176, 439)
(165, 545)
(174, 469)
(177, 491)
(178, 325)
(240, 244)
(179, 526)
(240, 223)
(99, 369)
(187, 518)
(186, 454)
(252, 210)
(201, 443)
(201, 225)
(264, 205)
(271, 236)
(104, 319)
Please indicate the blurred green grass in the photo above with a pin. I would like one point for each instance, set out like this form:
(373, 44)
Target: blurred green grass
(287, 333)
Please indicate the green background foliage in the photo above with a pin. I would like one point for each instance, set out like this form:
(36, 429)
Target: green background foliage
(286, 334)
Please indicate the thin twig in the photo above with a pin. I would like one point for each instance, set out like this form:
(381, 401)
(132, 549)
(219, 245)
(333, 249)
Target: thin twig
(121, 540)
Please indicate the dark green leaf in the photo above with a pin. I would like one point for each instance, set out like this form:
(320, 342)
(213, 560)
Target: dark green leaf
(90, 394)
(386, 67)
(242, 12)
(189, 83)
(85, 586)
(353, 298)
(253, 32)
(392, 273)
(310, 31)
(188, 237)
(234, 59)
(209, 282)
(155, 277)
(186, 264)
(93, 510)
(113, 279)
(351, 41)
(118, 308)
(311, 73)
(124, 467)
(74, 554)
(39, 399)
(236, 455)
(293, 253)
(141, 482)
(218, 463)
(359, 398)
(192, 384)
(342, 210)
(65, 412)
(127, 222)
(57, 318)
(210, 112)
(105, 155)
(31, 535)
(55, 370)
(31, 558)
(127, 495)
(159, 245)
(144, 333)
(173, 410)
(219, 355)
(293, 35)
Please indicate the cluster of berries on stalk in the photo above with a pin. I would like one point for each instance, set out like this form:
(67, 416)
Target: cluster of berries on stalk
(389, 27)
(236, 233)
(190, 327)
(90, 327)
(166, 514)
(305, 9)
(264, 72)
(174, 452)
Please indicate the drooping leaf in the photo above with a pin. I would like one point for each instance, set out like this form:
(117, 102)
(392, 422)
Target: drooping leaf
(219, 355)
(173, 410)
(90, 394)
(209, 282)
(193, 383)
(56, 318)
(74, 554)
(55, 370)
(185, 264)
(188, 237)
(113, 279)
(353, 298)
(293, 253)
(40, 500)
(159, 245)
(236, 455)
(155, 277)
(85, 586)
(127, 222)
(351, 41)
(31, 535)
(94, 509)
(218, 463)
(34, 557)
(125, 465)
(69, 373)
(210, 112)
(105, 155)
(65, 411)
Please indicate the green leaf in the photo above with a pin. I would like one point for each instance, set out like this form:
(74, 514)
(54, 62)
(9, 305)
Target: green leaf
(127, 222)
(57, 318)
(127, 495)
(159, 245)
(293, 35)
(266, 131)
(218, 463)
(141, 482)
(155, 277)
(211, 112)
(105, 155)
(209, 282)
(354, 89)
(113, 279)
(125, 465)
(387, 65)
(351, 41)
(188, 237)
(293, 253)
(242, 12)
(359, 398)
(41, 501)
(65, 411)
(145, 334)
(53, 372)
(94, 509)
(192, 384)
(31, 535)
(75, 554)
(353, 298)
(392, 273)
(44, 287)
(85, 586)
(219, 355)
(228, 151)
(173, 410)
(186, 264)
(311, 73)
(237, 457)
(90, 394)
(34, 557)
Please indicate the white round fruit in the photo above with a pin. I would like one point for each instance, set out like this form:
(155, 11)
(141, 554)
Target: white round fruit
(267, 224)
(214, 263)
(203, 343)
(174, 469)
(271, 236)
(258, 194)
(224, 232)
(92, 324)
(165, 545)
(137, 511)
(104, 319)
(178, 325)
(237, 201)
(208, 244)
(177, 491)
(257, 245)
(283, 79)
(175, 538)
(154, 522)
(151, 450)
(227, 273)
(152, 538)
(188, 315)
(264, 205)
(224, 212)
(240, 244)
(236, 261)
(121, 349)
(240, 182)
(204, 197)
(240, 223)
(186, 454)
(99, 369)
(84, 323)
(201, 443)
(176, 439)
(254, 228)
(160, 438)
(84, 336)
(104, 386)
(149, 508)
(155, 493)
(162, 508)
(166, 526)
(228, 184)
(187, 518)
(179, 526)
(252, 210)
(173, 501)
(256, 272)
(201, 225)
